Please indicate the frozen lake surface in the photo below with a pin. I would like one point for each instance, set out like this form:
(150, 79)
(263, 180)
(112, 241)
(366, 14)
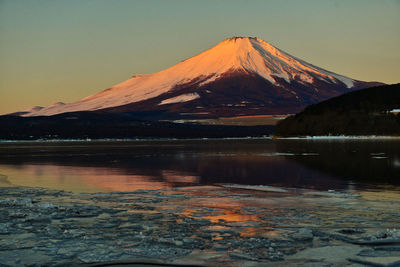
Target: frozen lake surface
(205, 202)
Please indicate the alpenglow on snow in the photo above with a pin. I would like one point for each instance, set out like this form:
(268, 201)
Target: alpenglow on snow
(238, 76)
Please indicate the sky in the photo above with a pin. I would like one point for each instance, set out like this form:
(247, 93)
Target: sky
(54, 50)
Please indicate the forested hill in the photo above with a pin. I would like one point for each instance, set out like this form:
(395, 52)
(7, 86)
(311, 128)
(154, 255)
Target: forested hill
(96, 125)
(370, 111)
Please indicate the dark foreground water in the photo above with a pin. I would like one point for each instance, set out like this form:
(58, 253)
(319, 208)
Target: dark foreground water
(131, 165)
(204, 202)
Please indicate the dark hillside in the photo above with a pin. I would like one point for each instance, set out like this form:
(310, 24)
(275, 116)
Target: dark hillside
(95, 125)
(362, 112)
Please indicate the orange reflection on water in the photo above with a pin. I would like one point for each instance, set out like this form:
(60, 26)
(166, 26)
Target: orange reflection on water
(236, 211)
(122, 182)
(225, 215)
(88, 179)
(176, 177)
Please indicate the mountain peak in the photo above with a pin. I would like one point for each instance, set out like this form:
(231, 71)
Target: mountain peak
(245, 40)
(238, 38)
(254, 55)
(246, 56)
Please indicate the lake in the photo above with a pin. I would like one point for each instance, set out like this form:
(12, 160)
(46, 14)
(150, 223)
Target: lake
(101, 166)
(236, 202)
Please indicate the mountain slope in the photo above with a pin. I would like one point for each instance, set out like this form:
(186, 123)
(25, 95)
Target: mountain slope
(239, 76)
(370, 111)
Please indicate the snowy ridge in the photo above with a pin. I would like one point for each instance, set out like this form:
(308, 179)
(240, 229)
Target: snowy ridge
(244, 54)
(33, 109)
(180, 99)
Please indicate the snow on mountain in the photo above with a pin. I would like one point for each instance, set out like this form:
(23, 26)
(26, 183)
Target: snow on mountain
(180, 99)
(246, 55)
(34, 109)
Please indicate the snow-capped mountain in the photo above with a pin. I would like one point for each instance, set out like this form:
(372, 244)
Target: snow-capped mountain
(239, 76)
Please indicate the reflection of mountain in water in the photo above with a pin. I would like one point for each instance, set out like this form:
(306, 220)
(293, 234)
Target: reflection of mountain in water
(139, 165)
(88, 179)
(360, 161)
(119, 165)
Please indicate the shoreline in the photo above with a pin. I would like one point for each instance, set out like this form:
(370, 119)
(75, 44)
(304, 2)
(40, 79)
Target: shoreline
(342, 137)
(134, 140)
(322, 137)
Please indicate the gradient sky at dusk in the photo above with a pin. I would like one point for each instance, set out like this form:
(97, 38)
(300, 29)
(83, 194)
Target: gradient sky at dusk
(57, 50)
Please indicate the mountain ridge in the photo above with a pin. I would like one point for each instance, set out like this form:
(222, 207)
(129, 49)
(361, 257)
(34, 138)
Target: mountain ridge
(279, 83)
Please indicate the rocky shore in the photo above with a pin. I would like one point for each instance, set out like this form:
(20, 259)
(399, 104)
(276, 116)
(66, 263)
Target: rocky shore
(206, 226)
